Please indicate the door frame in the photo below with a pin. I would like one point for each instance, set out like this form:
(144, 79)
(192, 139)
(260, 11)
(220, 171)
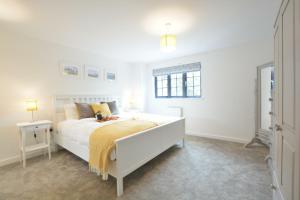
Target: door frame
(258, 129)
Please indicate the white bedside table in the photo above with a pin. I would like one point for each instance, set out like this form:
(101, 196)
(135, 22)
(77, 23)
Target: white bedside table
(30, 128)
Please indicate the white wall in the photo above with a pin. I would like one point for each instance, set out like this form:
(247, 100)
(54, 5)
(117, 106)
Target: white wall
(30, 69)
(137, 92)
(227, 109)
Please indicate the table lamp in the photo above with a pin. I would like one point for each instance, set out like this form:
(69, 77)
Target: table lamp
(31, 105)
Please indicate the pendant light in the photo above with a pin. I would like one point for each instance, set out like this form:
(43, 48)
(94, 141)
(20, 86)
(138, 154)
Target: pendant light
(168, 40)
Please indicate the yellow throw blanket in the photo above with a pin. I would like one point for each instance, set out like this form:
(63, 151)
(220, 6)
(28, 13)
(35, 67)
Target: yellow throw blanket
(102, 141)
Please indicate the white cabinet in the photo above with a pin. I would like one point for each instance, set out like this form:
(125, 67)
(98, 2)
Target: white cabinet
(30, 128)
(287, 97)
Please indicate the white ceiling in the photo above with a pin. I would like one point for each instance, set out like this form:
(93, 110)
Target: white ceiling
(129, 29)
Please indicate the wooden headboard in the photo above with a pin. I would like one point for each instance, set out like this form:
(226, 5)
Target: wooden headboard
(60, 100)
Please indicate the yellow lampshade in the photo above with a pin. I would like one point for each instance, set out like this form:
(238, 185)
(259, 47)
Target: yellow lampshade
(168, 42)
(31, 105)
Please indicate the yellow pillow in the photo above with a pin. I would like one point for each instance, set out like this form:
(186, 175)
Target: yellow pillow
(102, 108)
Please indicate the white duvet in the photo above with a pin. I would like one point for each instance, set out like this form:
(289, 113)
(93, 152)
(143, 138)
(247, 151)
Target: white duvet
(80, 130)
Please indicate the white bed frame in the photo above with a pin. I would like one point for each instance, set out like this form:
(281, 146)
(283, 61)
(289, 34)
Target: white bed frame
(132, 151)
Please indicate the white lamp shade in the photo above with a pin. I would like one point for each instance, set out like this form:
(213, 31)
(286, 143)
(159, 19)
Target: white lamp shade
(168, 42)
(31, 105)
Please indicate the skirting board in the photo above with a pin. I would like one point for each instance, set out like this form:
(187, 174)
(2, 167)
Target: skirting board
(17, 158)
(218, 137)
(9, 160)
(29, 155)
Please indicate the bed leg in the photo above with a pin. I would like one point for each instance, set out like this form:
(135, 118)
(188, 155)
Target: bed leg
(119, 186)
(105, 176)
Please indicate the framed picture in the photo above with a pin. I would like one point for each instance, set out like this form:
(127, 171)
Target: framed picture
(71, 70)
(92, 72)
(110, 75)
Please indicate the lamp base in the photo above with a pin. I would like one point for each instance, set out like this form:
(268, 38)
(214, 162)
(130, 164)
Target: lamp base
(32, 118)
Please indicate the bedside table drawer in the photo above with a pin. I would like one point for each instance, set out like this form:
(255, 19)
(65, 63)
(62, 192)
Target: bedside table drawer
(35, 128)
(40, 127)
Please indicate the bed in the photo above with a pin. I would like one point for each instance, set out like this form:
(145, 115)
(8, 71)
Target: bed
(130, 152)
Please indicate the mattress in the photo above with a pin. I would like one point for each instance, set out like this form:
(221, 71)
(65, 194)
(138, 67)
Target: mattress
(79, 130)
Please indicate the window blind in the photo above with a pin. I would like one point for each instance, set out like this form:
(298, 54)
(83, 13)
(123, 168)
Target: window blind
(177, 69)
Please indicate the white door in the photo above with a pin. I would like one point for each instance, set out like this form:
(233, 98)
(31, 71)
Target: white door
(285, 119)
(277, 98)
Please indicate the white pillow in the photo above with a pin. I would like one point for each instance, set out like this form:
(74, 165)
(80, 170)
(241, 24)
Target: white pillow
(71, 111)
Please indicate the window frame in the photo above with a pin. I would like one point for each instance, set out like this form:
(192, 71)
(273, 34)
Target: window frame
(170, 85)
(156, 88)
(193, 86)
(184, 87)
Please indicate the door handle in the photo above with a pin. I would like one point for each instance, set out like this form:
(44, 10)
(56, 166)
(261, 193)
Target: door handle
(278, 127)
(270, 144)
(267, 158)
(271, 128)
(273, 187)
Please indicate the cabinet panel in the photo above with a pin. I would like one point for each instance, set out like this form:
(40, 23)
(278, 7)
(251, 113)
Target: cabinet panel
(288, 161)
(277, 99)
(288, 61)
(287, 95)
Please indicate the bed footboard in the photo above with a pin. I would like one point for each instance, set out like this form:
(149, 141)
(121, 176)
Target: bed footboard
(134, 151)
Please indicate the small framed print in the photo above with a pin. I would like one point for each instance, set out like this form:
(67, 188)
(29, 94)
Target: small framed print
(110, 75)
(92, 72)
(71, 70)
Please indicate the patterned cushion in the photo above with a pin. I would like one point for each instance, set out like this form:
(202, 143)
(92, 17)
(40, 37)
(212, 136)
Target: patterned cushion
(101, 108)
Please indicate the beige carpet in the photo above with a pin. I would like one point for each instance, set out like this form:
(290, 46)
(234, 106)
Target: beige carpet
(203, 170)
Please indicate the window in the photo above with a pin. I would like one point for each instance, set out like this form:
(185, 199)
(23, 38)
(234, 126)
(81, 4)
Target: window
(162, 86)
(178, 82)
(193, 84)
(177, 85)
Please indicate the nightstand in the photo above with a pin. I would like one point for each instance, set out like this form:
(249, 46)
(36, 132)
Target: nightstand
(29, 128)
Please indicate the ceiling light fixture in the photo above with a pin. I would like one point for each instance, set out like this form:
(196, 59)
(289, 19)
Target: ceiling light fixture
(168, 40)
